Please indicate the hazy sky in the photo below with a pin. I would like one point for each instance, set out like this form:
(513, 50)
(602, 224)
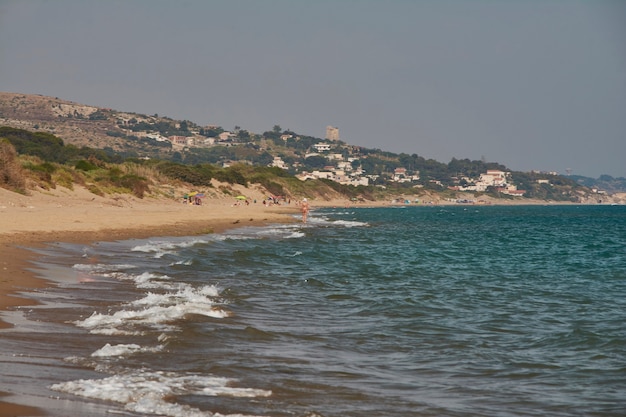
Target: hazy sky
(532, 84)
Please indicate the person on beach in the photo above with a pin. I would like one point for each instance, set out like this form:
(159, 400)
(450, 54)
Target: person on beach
(304, 208)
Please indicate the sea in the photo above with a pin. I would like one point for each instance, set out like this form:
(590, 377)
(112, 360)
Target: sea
(389, 312)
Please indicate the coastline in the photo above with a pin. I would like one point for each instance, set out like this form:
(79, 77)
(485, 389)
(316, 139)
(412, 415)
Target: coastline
(78, 216)
(31, 222)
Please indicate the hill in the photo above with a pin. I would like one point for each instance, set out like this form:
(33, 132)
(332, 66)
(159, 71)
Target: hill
(355, 172)
(606, 183)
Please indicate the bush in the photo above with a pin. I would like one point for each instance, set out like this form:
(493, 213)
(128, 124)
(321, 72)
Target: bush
(11, 171)
(95, 190)
(64, 179)
(86, 166)
(231, 176)
(42, 173)
(274, 188)
(199, 175)
(137, 185)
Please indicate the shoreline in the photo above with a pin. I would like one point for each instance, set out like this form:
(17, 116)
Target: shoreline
(18, 249)
(78, 216)
(31, 222)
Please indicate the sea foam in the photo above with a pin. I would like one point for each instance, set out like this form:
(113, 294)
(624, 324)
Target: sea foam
(152, 392)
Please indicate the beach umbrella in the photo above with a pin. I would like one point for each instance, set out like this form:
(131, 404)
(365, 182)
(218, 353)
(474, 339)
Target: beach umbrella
(191, 194)
(241, 197)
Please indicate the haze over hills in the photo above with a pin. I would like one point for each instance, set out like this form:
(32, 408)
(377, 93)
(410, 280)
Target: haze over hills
(156, 136)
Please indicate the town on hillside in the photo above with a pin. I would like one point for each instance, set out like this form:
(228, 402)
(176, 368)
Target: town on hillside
(305, 157)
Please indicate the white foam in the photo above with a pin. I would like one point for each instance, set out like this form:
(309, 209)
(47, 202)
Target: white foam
(349, 223)
(183, 262)
(322, 220)
(168, 246)
(130, 322)
(292, 232)
(149, 280)
(101, 268)
(123, 350)
(156, 310)
(146, 392)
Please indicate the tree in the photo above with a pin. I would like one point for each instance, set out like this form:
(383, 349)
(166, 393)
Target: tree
(243, 135)
(177, 157)
(315, 162)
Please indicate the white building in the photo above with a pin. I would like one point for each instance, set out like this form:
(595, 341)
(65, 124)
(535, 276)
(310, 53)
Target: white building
(322, 147)
(278, 162)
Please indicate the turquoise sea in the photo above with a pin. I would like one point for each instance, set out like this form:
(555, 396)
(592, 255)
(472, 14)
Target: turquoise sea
(386, 312)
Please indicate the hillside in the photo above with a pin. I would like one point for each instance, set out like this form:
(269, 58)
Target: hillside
(355, 172)
(76, 124)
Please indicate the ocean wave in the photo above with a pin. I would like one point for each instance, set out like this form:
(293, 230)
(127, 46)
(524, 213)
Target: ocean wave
(161, 248)
(323, 220)
(96, 268)
(156, 310)
(152, 392)
(109, 350)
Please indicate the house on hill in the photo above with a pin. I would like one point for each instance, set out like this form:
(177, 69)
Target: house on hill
(322, 147)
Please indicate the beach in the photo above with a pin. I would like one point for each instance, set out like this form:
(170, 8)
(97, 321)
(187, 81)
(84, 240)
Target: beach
(63, 215)
(155, 307)
(28, 221)
(78, 216)
(31, 223)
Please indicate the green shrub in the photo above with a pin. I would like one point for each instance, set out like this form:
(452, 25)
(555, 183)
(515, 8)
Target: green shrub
(84, 165)
(231, 176)
(137, 185)
(193, 175)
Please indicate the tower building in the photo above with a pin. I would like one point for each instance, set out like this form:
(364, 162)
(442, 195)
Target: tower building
(332, 133)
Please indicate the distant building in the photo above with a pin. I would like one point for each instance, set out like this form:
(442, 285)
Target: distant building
(332, 133)
(493, 177)
(322, 147)
(278, 162)
(179, 140)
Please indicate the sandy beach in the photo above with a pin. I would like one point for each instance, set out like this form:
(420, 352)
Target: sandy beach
(77, 216)
(80, 216)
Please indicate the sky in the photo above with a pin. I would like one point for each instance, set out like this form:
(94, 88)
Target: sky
(531, 84)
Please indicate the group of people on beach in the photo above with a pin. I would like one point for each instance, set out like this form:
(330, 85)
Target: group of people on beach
(304, 204)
